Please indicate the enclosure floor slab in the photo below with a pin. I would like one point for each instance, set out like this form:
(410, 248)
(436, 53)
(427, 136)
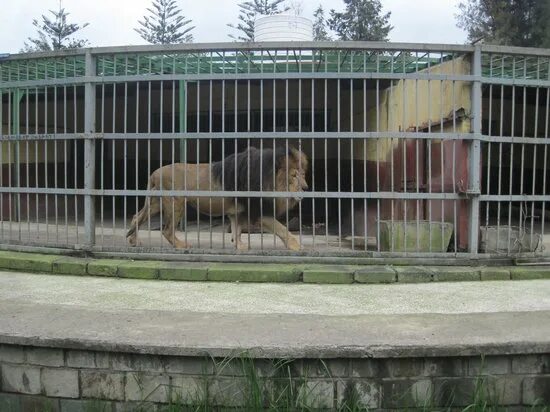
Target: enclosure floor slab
(275, 320)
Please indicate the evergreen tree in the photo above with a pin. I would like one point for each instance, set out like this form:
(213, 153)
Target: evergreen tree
(506, 22)
(55, 34)
(361, 20)
(320, 32)
(249, 10)
(165, 24)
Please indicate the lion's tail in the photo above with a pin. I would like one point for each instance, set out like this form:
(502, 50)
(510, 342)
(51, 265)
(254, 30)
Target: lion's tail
(142, 214)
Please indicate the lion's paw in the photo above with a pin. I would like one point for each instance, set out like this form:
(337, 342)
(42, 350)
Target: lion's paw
(134, 241)
(293, 244)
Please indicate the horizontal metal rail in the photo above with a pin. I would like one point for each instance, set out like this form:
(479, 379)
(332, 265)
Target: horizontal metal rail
(75, 81)
(252, 46)
(233, 76)
(234, 194)
(434, 135)
(271, 194)
(324, 45)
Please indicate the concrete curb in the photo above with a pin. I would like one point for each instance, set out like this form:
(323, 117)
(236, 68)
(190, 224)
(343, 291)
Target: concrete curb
(273, 273)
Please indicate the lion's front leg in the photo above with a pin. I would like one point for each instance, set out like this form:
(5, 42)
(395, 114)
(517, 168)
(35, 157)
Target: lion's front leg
(274, 226)
(236, 231)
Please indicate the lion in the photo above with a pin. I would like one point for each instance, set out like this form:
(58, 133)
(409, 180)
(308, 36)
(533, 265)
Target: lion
(282, 170)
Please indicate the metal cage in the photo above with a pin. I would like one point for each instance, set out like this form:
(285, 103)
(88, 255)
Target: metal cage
(414, 150)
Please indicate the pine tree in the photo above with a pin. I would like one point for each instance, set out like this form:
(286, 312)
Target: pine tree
(165, 24)
(249, 10)
(506, 22)
(319, 25)
(55, 34)
(361, 20)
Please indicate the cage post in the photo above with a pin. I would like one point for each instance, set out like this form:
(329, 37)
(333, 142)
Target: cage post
(89, 151)
(183, 129)
(474, 154)
(17, 97)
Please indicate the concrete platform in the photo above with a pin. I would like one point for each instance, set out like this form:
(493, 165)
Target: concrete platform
(275, 320)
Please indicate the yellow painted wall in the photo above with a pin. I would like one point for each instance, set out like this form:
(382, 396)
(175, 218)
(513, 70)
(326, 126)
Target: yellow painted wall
(411, 103)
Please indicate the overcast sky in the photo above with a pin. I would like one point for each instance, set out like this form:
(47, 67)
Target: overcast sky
(112, 21)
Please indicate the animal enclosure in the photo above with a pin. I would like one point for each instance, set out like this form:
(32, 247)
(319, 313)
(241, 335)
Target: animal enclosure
(412, 150)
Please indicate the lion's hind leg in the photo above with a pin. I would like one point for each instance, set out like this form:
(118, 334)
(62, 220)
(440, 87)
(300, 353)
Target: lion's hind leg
(149, 209)
(173, 211)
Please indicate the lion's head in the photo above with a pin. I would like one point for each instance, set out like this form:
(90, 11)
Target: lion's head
(292, 172)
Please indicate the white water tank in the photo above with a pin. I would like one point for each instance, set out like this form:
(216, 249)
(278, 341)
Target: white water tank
(283, 27)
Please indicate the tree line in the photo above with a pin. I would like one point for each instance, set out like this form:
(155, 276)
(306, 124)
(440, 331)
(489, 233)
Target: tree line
(501, 22)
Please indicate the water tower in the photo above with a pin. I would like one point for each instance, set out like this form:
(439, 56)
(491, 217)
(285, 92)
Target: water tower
(283, 27)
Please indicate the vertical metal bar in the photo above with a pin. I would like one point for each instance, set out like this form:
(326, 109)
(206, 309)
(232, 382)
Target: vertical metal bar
(75, 145)
(102, 154)
(89, 151)
(55, 163)
(392, 165)
(501, 133)
(338, 128)
(236, 106)
(113, 168)
(455, 238)
(429, 151)
(46, 145)
(474, 155)
(378, 203)
(248, 108)
(442, 149)
(274, 129)
(365, 210)
(405, 141)
(149, 152)
(36, 198)
(535, 135)
(175, 223)
(326, 160)
(351, 143)
(490, 131)
(513, 133)
(17, 154)
(10, 195)
(300, 144)
(417, 162)
(261, 157)
(137, 144)
(286, 145)
(223, 156)
(313, 221)
(27, 160)
(197, 157)
(183, 129)
(125, 131)
(210, 154)
(163, 216)
(65, 159)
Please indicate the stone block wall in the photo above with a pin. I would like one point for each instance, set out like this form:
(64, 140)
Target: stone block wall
(66, 380)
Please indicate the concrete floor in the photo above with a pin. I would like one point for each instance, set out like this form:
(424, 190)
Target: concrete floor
(114, 236)
(433, 319)
(258, 299)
